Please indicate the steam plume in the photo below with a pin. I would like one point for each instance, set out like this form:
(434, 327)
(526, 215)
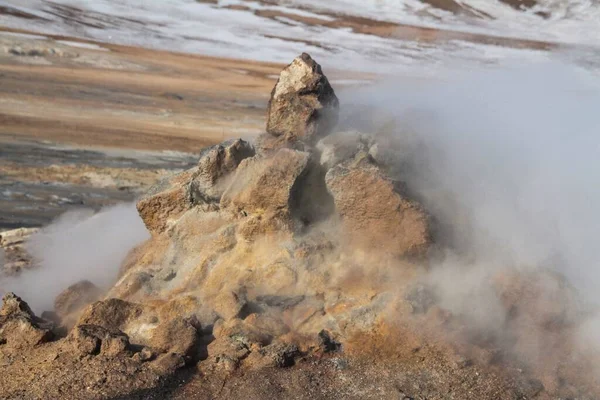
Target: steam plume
(78, 245)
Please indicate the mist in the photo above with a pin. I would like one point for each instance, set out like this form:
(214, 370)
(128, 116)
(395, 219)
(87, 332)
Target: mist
(78, 245)
(507, 160)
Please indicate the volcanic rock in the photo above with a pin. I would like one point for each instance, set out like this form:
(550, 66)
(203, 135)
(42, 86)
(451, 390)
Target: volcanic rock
(94, 339)
(160, 207)
(229, 304)
(216, 162)
(326, 343)
(275, 355)
(75, 297)
(242, 331)
(373, 214)
(226, 353)
(19, 327)
(111, 314)
(203, 186)
(264, 187)
(145, 354)
(179, 335)
(303, 106)
(235, 341)
(168, 363)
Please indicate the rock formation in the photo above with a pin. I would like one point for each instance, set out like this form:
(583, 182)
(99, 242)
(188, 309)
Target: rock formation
(296, 258)
(374, 215)
(200, 186)
(263, 189)
(303, 106)
(20, 328)
(94, 339)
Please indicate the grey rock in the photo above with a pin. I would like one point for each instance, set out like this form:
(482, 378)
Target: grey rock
(303, 105)
(215, 163)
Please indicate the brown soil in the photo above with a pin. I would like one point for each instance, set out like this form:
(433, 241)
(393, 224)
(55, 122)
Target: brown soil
(133, 98)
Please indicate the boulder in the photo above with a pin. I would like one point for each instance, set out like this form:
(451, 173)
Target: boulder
(94, 340)
(303, 105)
(374, 215)
(166, 201)
(215, 163)
(75, 297)
(19, 327)
(229, 304)
(179, 336)
(111, 314)
(265, 186)
(202, 185)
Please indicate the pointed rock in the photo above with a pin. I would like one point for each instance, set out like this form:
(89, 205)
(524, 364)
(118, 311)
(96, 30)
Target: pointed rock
(303, 106)
(19, 327)
(201, 186)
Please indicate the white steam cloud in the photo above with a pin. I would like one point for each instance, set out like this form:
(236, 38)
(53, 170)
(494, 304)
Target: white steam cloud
(78, 245)
(509, 159)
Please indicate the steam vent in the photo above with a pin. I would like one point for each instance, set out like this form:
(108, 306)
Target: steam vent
(288, 267)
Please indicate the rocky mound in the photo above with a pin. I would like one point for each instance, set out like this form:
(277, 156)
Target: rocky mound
(291, 268)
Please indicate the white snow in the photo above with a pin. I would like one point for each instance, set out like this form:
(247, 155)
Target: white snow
(194, 27)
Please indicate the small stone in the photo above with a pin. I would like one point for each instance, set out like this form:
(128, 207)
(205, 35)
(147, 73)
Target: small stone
(340, 364)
